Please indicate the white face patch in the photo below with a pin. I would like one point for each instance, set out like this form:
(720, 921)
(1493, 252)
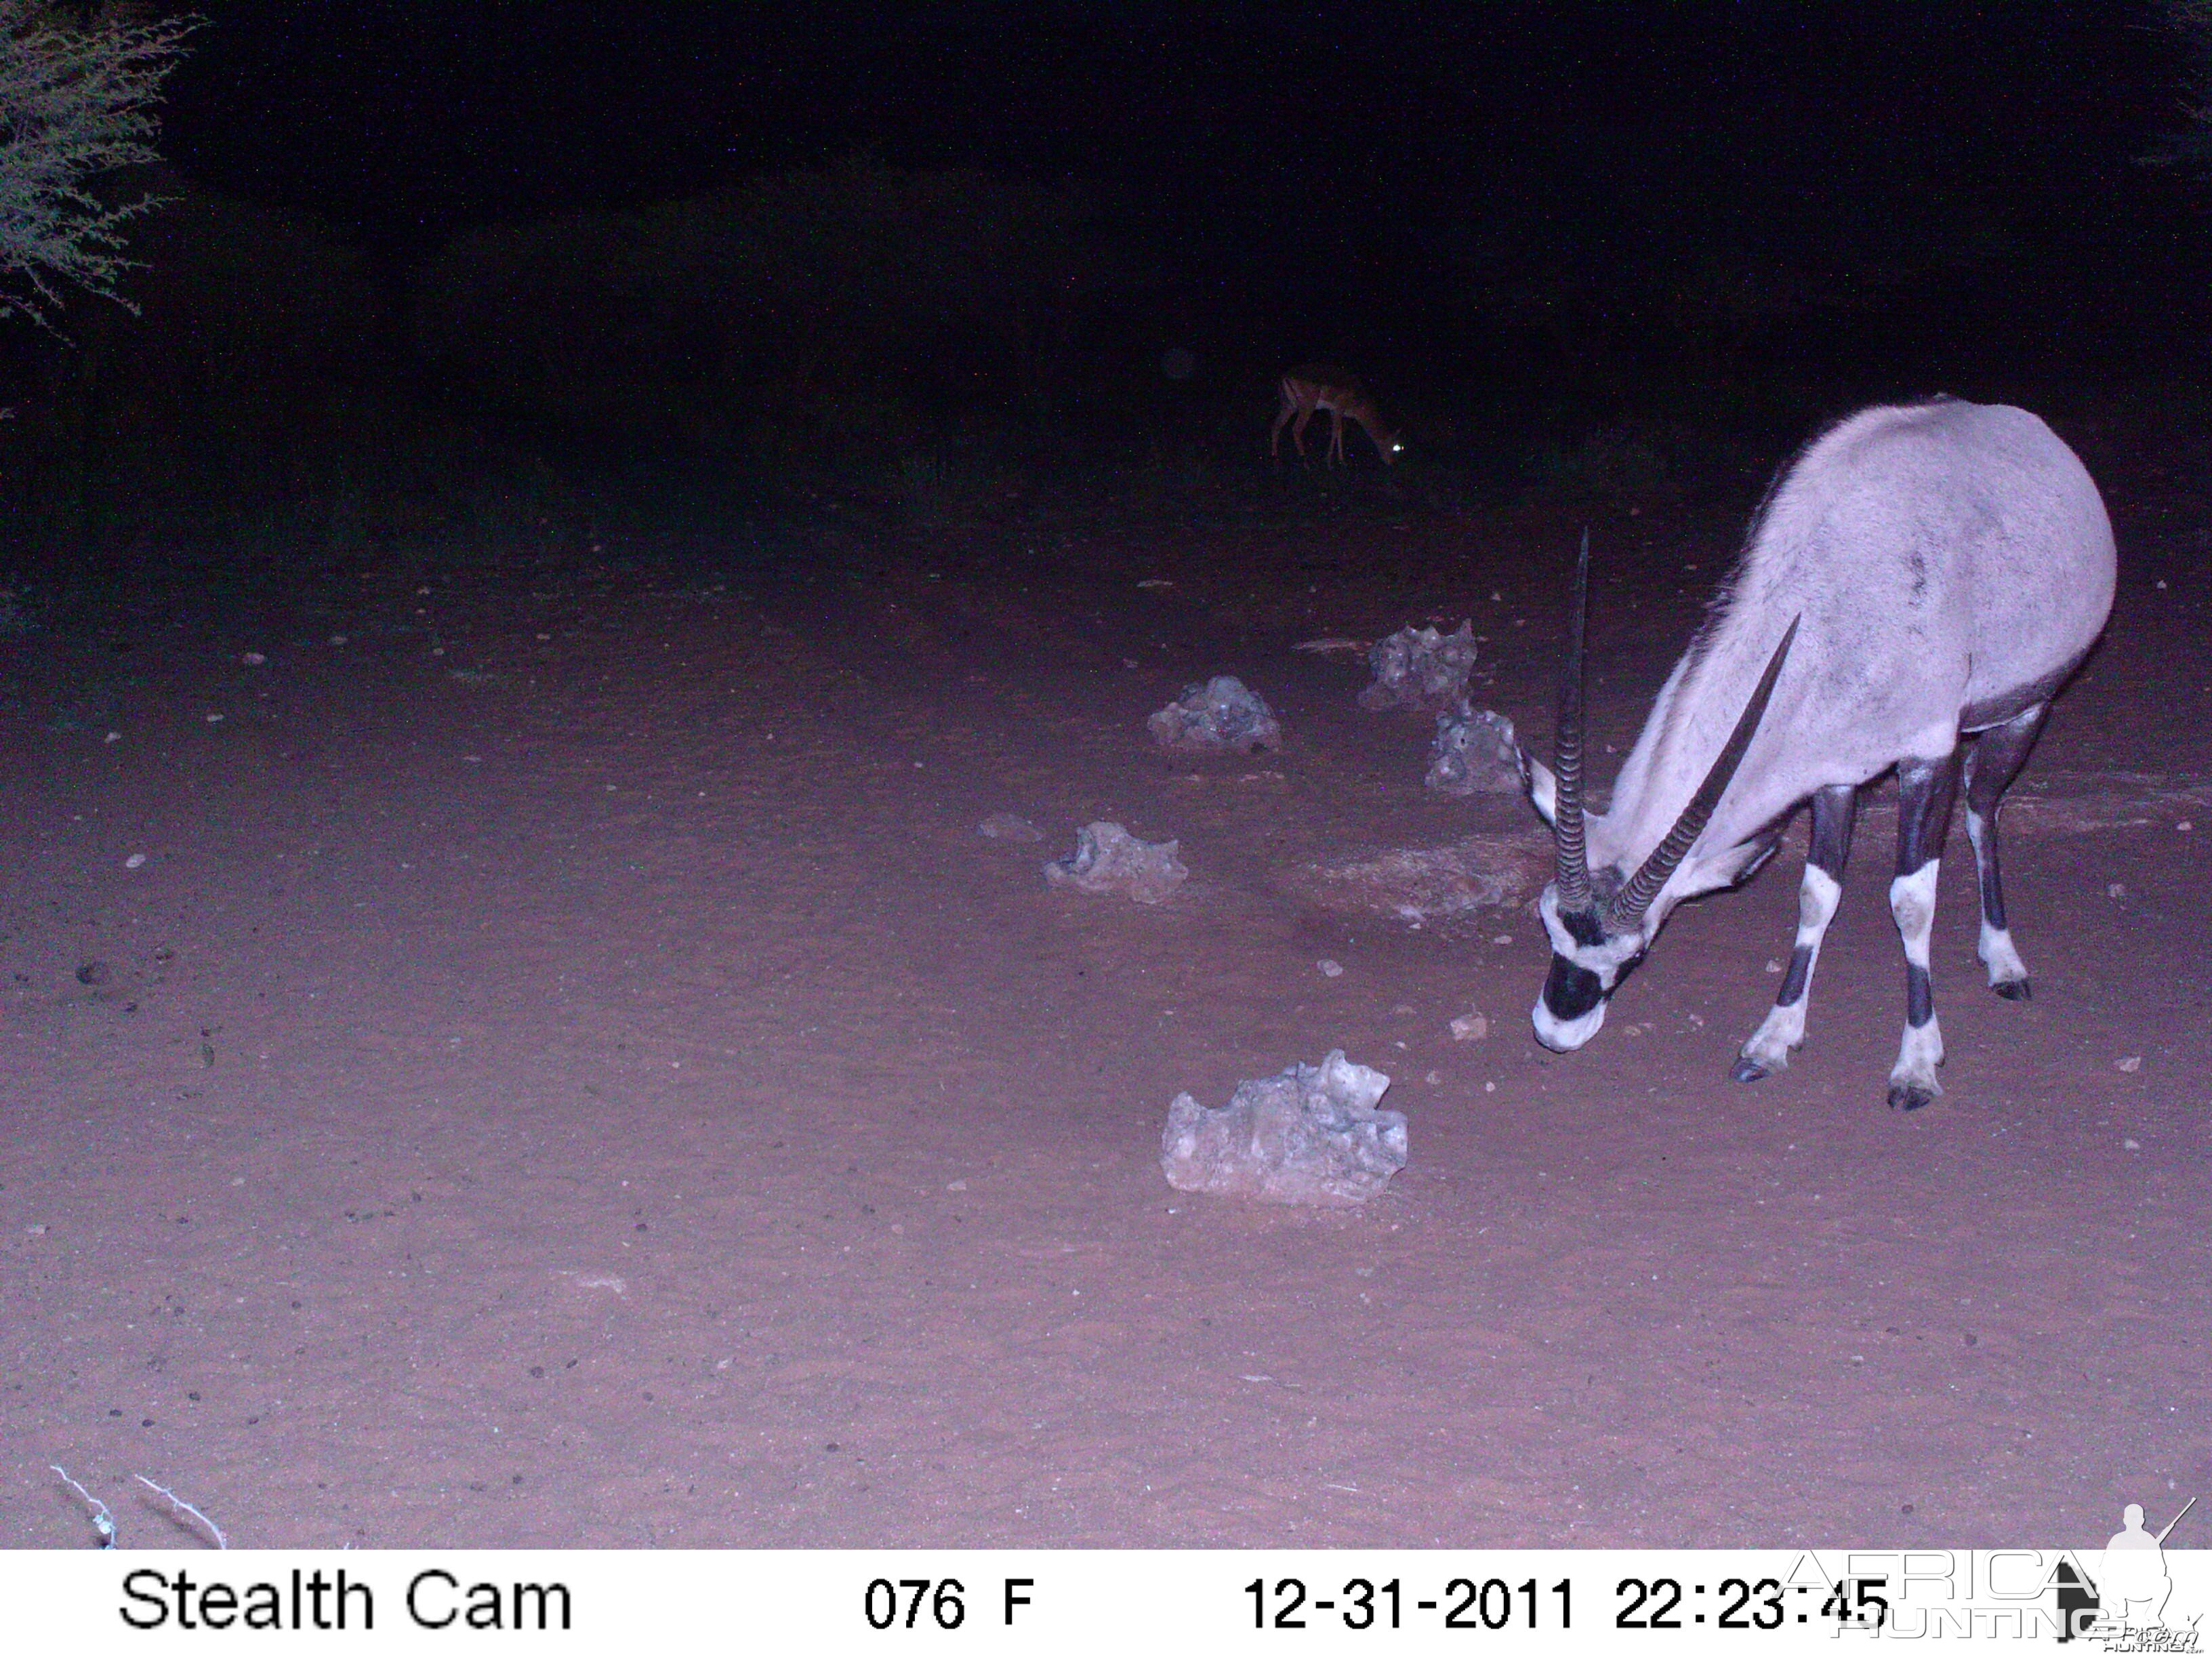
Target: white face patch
(1564, 1036)
(1605, 958)
(1603, 962)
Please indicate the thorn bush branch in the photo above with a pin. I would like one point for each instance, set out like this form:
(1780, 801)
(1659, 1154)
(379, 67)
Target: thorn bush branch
(103, 1520)
(76, 102)
(214, 1531)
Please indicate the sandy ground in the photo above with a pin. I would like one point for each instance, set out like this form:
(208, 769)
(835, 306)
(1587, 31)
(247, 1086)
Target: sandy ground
(568, 1071)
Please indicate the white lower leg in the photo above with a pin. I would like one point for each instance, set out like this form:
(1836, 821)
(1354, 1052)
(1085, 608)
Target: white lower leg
(1996, 947)
(1918, 1057)
(1999, 957)
(1912, 903)
(1783, 1028)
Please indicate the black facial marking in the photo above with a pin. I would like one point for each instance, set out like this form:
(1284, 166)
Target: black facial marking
(1583, 927)
(1571, 991)
(1793, 982)
(1919, 996)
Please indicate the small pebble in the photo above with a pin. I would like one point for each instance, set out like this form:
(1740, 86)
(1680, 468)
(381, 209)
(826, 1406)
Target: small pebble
(117, 736)
(1330, 968)
(1773, 966)
(134, 860)
(2185, 826)
(212, 719)
(955, 1185)
(253, 660)
(2132, 1063)
(338, 639)
(2130, 1144)
(1470, 1028)
(2117, 889)
(1503, 939)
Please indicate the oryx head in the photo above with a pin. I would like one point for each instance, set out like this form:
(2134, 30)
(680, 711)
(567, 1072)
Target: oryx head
(1600, 922)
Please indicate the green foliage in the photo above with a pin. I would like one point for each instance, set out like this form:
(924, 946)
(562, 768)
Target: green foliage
(77, 103)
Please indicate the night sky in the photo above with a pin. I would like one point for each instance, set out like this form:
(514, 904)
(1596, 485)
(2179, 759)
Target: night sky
(1384, 133)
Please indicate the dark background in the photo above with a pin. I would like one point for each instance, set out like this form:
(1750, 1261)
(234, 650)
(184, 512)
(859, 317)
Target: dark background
(899, 252)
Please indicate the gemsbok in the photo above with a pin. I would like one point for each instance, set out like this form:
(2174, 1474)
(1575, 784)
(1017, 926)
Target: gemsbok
(1917, 586)
(1319, 386)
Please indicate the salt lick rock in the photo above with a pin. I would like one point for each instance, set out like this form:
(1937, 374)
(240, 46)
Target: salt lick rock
(1222, 715)
(1310, 1135)
(1420, 668)
(1108, 858)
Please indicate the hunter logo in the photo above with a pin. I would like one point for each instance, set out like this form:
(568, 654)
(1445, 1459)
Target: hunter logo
(2124, 1609)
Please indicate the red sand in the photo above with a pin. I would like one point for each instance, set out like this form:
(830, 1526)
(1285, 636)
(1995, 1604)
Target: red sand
(601, 1090)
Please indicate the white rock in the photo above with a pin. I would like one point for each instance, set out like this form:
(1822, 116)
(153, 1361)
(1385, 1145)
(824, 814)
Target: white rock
(1310, 1135)
(1108, 858)
(1223, 714)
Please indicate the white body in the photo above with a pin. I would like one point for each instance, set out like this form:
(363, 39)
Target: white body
(1951, 562)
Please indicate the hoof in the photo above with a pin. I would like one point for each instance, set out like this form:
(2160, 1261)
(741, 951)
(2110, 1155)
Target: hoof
(2014, 990)
(1748, 1070)
(1909, 1097)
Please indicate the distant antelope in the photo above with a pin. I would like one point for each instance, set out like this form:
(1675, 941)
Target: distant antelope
(1316, 386)
(1921, 579)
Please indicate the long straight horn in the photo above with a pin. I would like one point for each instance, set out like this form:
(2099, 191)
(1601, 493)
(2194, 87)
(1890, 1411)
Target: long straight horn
(1567, 757)
(1630, 904)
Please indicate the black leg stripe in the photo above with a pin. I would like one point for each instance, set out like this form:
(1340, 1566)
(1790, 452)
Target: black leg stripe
(1992, 890)
(1793, 982)
(1835, 810)
(1924, 790)
(1919, 996)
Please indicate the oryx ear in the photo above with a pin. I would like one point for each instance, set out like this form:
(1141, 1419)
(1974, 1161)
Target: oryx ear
(1747, 861)
(1538, 783)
